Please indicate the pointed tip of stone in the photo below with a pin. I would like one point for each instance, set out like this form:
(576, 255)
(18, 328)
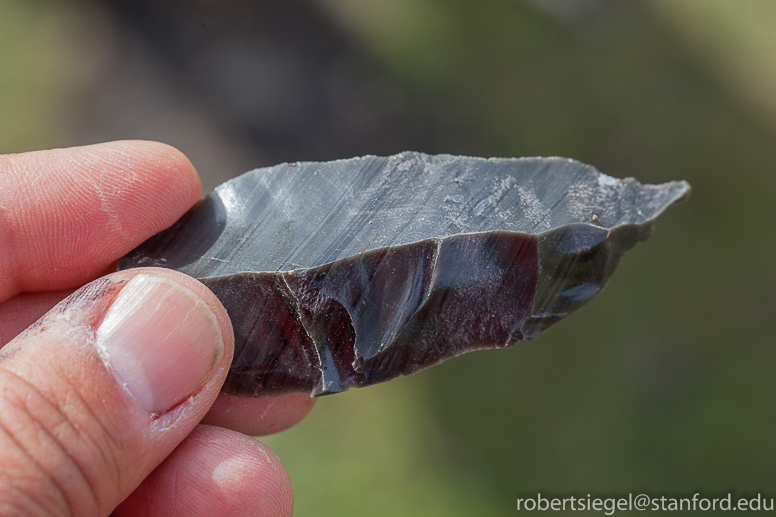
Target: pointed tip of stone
(348, 273)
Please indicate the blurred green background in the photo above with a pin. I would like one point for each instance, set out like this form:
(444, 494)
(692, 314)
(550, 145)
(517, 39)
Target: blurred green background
(663, 384)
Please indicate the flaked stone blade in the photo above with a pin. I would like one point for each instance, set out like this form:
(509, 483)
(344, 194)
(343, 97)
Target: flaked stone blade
(352, 272)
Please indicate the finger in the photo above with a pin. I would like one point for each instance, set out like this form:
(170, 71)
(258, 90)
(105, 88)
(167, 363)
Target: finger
(261, 416)
(24, 309)
(101, 389)
(213, 473)
(66, 214)
(251, 416)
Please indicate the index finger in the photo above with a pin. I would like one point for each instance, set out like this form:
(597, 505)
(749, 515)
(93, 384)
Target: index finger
(67, 214)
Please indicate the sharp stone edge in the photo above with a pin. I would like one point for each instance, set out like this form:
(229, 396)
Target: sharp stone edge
(352, 272)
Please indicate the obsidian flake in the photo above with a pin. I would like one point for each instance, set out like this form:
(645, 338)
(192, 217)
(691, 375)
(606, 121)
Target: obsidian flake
(352, 272)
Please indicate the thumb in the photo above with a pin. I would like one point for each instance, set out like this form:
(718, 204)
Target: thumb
(102, 388)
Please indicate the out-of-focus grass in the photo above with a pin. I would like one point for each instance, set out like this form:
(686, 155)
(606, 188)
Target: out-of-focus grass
(27, 85)
(735, 39)
(48, 52)
(380, 452)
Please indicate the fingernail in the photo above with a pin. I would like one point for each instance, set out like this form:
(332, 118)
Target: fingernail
(160, 340)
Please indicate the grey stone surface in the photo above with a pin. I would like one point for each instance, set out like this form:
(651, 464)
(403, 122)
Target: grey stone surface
(351, 272)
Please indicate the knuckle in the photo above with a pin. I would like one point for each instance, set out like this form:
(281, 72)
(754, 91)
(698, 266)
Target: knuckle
(59, 458)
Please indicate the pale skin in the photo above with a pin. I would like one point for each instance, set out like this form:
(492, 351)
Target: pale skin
(73, 441)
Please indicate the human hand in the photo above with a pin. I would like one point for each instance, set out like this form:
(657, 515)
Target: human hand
(101, 399)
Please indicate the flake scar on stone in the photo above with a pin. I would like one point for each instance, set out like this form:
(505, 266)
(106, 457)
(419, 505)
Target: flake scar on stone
(374, 267)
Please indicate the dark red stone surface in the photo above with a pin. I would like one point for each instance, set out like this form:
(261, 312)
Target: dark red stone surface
(379, 315)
